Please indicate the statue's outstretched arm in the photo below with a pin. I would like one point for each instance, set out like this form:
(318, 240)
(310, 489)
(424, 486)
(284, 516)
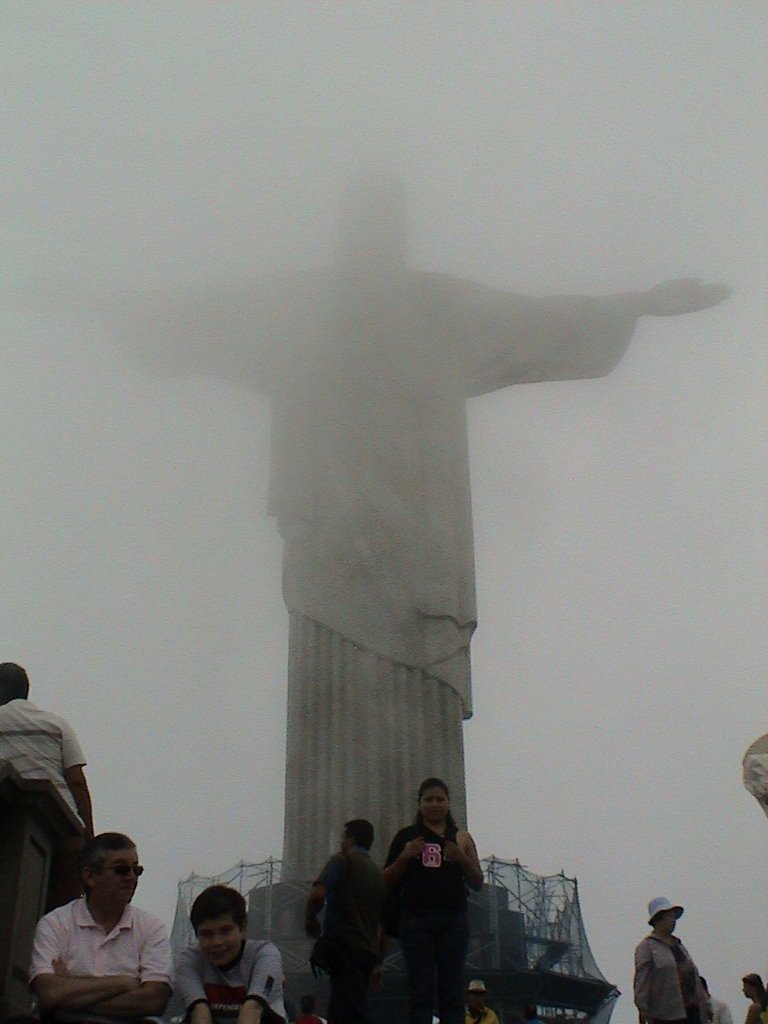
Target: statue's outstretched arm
(246, 331)
(240, 330)
(516, 339)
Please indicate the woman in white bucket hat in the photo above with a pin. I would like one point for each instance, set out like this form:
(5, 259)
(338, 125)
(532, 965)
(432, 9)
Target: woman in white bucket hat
(667, 985)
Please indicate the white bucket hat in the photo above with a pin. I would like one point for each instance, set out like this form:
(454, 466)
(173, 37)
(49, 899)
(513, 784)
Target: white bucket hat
(659, 904)
(476, 985)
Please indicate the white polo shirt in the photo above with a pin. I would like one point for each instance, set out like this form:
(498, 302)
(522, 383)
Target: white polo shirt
(39, 744)
(137, 946)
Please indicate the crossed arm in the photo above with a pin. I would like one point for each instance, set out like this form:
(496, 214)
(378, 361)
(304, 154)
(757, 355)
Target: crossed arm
(118, 995)
(143, 993)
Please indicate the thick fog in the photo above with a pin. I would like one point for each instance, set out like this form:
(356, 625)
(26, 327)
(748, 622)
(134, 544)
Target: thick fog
(156, 151)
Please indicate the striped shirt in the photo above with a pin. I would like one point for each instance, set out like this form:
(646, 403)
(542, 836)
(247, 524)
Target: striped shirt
(39, 745)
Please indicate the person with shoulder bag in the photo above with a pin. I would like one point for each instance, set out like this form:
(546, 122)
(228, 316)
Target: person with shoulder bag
(351, 888)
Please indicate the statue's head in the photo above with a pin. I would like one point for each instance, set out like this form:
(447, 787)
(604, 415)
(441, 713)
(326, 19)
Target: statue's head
(755, 768)
(373, 229)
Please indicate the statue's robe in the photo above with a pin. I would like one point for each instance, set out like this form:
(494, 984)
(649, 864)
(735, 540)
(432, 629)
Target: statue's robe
(368, 376)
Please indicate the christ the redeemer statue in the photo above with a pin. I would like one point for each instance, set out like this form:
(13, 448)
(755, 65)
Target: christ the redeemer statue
(368, 365)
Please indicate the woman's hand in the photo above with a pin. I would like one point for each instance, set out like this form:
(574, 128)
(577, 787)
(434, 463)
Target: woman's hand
(394, 872)
(454, 852)
(413, 849)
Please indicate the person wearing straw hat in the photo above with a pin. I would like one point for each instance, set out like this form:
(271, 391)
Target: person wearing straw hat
(477, 1012)
(667, 985)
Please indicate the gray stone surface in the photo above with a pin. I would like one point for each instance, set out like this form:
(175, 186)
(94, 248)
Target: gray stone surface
(368, 364)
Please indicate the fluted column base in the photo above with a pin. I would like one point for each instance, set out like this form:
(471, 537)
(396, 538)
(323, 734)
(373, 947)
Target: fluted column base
(363, 732)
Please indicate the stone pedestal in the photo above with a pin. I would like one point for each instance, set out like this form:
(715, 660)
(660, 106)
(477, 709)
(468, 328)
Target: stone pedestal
(33, 820)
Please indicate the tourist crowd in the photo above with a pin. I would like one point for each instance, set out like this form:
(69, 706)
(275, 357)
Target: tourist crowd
(97, 959)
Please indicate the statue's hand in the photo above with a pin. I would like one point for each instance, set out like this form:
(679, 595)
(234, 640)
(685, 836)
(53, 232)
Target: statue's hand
(686, 295)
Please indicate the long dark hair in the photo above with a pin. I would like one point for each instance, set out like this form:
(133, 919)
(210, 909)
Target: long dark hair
(434, 783)
(756, 982)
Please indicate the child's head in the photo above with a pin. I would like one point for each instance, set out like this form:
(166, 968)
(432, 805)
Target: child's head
(216, 901)
(218, 916)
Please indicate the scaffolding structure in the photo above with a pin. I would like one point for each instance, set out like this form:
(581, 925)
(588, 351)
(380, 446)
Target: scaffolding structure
(554, 935)
(527, 937)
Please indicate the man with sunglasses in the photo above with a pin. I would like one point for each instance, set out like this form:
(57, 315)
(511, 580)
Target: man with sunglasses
(98, 958)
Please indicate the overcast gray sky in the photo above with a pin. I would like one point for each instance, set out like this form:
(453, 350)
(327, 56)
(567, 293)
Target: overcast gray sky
(621, 542)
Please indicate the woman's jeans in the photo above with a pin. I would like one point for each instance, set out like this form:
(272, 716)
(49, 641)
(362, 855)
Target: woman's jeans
(434, 948)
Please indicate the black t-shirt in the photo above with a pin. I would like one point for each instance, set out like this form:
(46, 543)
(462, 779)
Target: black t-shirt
(430, 884)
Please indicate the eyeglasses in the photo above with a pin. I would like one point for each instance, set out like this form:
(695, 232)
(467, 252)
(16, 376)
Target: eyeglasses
(125, 869)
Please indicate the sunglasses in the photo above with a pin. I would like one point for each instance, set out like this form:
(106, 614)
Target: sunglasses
(125, 869)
